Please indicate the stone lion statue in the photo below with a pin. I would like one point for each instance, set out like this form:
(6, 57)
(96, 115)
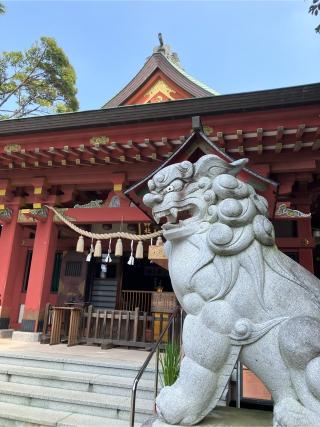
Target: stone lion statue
(243, 297)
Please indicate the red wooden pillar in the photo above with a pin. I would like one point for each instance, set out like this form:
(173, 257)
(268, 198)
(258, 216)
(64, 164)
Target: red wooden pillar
(10, 258)
(39, 283)
(305, 235)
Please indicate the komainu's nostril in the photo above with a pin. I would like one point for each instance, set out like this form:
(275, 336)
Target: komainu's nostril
(152, 199)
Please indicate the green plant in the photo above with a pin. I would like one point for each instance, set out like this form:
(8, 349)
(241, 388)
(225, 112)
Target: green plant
(170, 364)
(40, 80)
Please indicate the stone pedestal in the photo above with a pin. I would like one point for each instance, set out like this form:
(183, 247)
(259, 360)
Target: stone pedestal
(226, 417)
(6, 333)
(26, 336)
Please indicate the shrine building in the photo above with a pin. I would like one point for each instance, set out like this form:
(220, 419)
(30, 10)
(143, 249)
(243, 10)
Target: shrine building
(82, 163)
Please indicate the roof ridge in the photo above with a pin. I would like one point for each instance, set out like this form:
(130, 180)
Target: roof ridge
(190, 77)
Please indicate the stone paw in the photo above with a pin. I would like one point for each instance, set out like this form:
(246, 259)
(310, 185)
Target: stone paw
(290, 413)
(176, 407)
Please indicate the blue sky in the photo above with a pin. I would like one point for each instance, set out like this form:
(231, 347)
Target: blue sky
(233, 46)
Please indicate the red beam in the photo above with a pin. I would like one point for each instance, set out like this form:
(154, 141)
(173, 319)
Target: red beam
(294, 242)
(106, 215)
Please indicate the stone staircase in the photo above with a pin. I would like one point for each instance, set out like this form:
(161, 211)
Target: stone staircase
(54, 391)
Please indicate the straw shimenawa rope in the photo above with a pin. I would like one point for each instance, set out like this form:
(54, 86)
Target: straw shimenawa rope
(105, 236)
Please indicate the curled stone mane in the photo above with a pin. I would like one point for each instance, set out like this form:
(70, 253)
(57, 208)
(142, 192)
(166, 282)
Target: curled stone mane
(238, 226)
(238, 217)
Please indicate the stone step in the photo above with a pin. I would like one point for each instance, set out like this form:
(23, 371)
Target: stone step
(12, 415)
(76, 420)
(72, 401)
(74, 364)
(106, 384)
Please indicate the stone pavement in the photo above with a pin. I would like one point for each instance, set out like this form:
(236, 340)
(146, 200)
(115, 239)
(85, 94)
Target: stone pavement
(227, 417)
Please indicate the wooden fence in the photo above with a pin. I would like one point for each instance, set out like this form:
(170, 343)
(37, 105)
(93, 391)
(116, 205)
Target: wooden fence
(130, 300)
(117, 327)
(106, 327)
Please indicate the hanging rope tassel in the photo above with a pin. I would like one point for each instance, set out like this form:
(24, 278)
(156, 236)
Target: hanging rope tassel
(80, 245)
(108, 257)
(97, 249)
(89, 256)
(119, 248)
(139, 250)
(131, 259)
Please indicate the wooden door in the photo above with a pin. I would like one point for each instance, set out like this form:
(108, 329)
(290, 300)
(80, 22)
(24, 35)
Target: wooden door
(104, 283)
(72, 278)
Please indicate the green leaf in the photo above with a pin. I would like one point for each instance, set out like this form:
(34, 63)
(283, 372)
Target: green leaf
(38, 79)
(170, 364)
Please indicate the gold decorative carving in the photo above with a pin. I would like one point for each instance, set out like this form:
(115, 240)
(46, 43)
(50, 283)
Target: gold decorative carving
(160, 86)
(92, 204)
(40, 213)
(99, 140)
(24, 216)
(207, 130)
(12, 148)
(5, 215)
(284, 211)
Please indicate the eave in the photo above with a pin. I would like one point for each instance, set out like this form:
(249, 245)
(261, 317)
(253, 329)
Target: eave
(212, 105)
(263, 185)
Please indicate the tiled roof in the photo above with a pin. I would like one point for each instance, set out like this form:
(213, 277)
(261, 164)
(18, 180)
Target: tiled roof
(174, 72)
(210, 105)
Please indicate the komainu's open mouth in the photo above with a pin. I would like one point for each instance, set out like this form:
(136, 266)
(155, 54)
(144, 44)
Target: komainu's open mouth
(175, 217)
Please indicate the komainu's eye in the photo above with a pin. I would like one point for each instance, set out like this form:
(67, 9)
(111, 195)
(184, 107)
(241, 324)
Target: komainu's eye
(175, 185)
(168, 189)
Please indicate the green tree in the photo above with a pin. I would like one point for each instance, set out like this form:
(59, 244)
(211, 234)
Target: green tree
(314, 9)
(37, 81)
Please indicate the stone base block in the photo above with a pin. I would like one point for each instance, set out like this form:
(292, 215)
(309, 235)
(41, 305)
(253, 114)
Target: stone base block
(225, 417)
(26, 336)
(4, 322)
(6, 333)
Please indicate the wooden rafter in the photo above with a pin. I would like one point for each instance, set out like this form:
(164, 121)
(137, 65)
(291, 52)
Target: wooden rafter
(297, 146)
(300, 131)
(279, 135)
(295, 139)
(259, 135)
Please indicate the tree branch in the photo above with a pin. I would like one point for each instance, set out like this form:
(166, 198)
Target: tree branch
(25, 80)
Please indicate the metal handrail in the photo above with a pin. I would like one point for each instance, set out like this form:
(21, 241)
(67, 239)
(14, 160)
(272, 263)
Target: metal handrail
(146, 363)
